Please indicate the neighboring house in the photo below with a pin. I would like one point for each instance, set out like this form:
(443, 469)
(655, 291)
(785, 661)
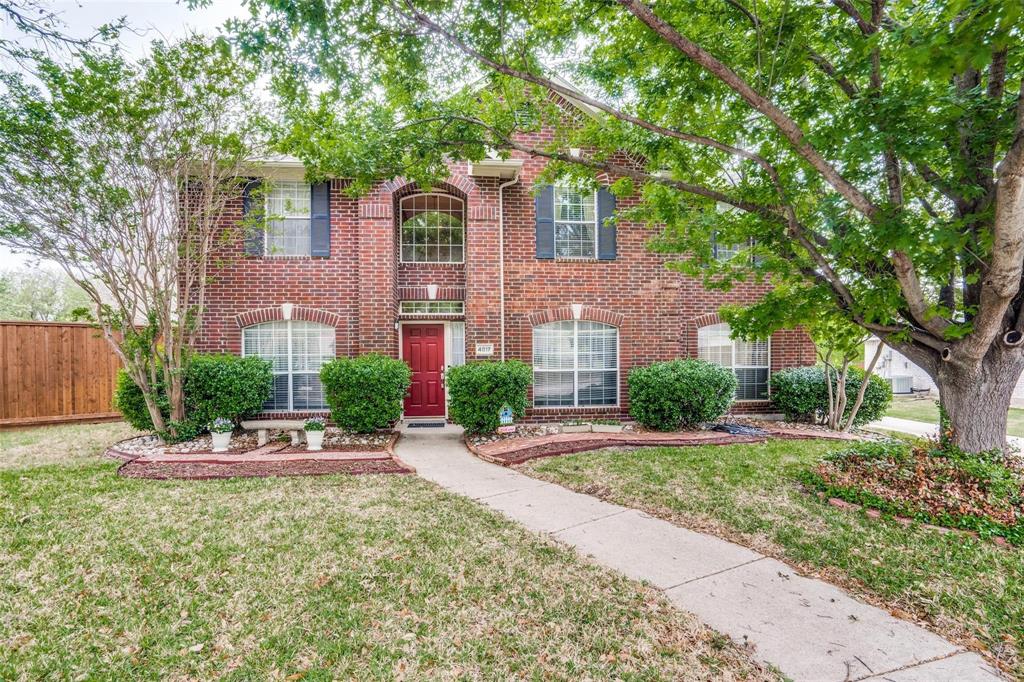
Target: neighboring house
(906, 377)
(481, 267)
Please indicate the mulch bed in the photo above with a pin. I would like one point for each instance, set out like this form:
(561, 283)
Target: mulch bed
(202, 471)
(921, 482)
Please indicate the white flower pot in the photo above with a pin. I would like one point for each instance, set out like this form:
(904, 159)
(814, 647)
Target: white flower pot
(221, 441)
(314, 440)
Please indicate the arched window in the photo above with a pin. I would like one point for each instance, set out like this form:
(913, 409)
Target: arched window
(575, 364)
(750, 360)
(433, 228)
(296, 351)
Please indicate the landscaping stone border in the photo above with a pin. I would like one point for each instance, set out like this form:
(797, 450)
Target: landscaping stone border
(873, 513)
(513, 451)
(275, 459)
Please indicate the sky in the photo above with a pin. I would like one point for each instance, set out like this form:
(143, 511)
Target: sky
(149, 19)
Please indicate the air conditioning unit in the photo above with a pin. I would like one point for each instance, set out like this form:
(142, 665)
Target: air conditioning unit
(902, 384)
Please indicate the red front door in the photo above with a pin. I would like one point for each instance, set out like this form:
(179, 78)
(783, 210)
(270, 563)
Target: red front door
(423, 349)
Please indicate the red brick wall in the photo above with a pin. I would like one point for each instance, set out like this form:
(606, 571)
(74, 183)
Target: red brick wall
(658, 311)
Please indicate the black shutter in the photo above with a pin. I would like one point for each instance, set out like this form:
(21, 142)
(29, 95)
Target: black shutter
(254, 234)
(605, 227)
(320, 221)
(544, 208)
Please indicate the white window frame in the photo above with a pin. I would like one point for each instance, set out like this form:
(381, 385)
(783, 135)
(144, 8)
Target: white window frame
(290, 373)
(308, 217)
(734, 367)
(576, 370)
(401, 231)
(556, 221)
(461, 305)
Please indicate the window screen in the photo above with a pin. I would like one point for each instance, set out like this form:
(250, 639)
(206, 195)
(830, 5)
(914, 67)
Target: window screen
(288, 212)
(749, 360)
(297, 351)
(575, 364)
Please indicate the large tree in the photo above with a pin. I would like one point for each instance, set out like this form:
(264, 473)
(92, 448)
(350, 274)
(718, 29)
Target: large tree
(120, 172)
(872, 150)
(40, 293)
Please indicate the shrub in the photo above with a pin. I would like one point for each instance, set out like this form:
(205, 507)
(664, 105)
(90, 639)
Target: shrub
(365, 393)
(129, 402)
(478, 390)
(215, 386)
(225, 387)
(800, 393)
(681, 393)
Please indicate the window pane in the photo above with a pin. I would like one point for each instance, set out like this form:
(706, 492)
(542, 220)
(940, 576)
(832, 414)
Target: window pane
(289, 199)
(554, 346)
(714, 344)
(458, 343)
(574, 240)
(279, 398)
(307, 394)
(312, 346)
(289, 237)
(572, 205)
(598, 346)
(751, 384)
(598, 388)
(432, 229)
(752, 353)
(270, 342)
(552, 389)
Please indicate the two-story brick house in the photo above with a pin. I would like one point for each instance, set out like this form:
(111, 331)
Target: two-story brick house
(484, 266)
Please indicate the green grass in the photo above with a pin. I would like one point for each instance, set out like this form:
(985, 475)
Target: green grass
(318, 578)
(925, 410)
(971, 591)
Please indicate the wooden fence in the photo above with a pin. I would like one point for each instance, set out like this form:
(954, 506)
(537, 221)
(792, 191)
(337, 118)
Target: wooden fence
(52, 372)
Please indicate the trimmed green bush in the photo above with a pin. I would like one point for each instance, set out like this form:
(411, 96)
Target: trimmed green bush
(216, 386)
(226, 387)
(478, 390)
(365, 393)
(800, 394)
(129, 402)
(667, 396)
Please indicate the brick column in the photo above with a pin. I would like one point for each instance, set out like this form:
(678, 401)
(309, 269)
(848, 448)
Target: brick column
(483, 282)
(378, 307)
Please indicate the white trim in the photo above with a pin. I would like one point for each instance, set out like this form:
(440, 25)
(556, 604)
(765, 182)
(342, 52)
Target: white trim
(401, 254)
(556, 221)
(576, 369)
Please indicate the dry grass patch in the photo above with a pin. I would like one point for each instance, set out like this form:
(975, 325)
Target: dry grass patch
(64, 444)
(328, 578)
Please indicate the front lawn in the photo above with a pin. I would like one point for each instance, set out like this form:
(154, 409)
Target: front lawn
(969, 590)
(925, 410)
(333, 577)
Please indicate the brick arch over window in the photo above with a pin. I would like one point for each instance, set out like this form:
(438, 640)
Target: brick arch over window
(461, 186)
(299, 313)
(589, 313)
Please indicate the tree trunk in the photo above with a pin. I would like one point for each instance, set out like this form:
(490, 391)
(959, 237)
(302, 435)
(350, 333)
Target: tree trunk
(976, 399)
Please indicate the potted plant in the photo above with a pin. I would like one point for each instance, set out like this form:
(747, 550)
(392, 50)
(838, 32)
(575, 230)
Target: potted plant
(220, 432)
(315, 428)
(575, 426)
(606, 426)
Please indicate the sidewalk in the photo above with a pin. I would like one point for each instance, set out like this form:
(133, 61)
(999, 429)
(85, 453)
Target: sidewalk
(916, 428)
(807, 628)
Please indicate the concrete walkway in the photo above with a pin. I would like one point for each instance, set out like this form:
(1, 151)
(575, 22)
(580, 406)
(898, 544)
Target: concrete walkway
(809, 629)
(924, 429)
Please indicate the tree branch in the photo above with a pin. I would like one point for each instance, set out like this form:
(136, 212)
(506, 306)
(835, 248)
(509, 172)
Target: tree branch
(789, 128)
